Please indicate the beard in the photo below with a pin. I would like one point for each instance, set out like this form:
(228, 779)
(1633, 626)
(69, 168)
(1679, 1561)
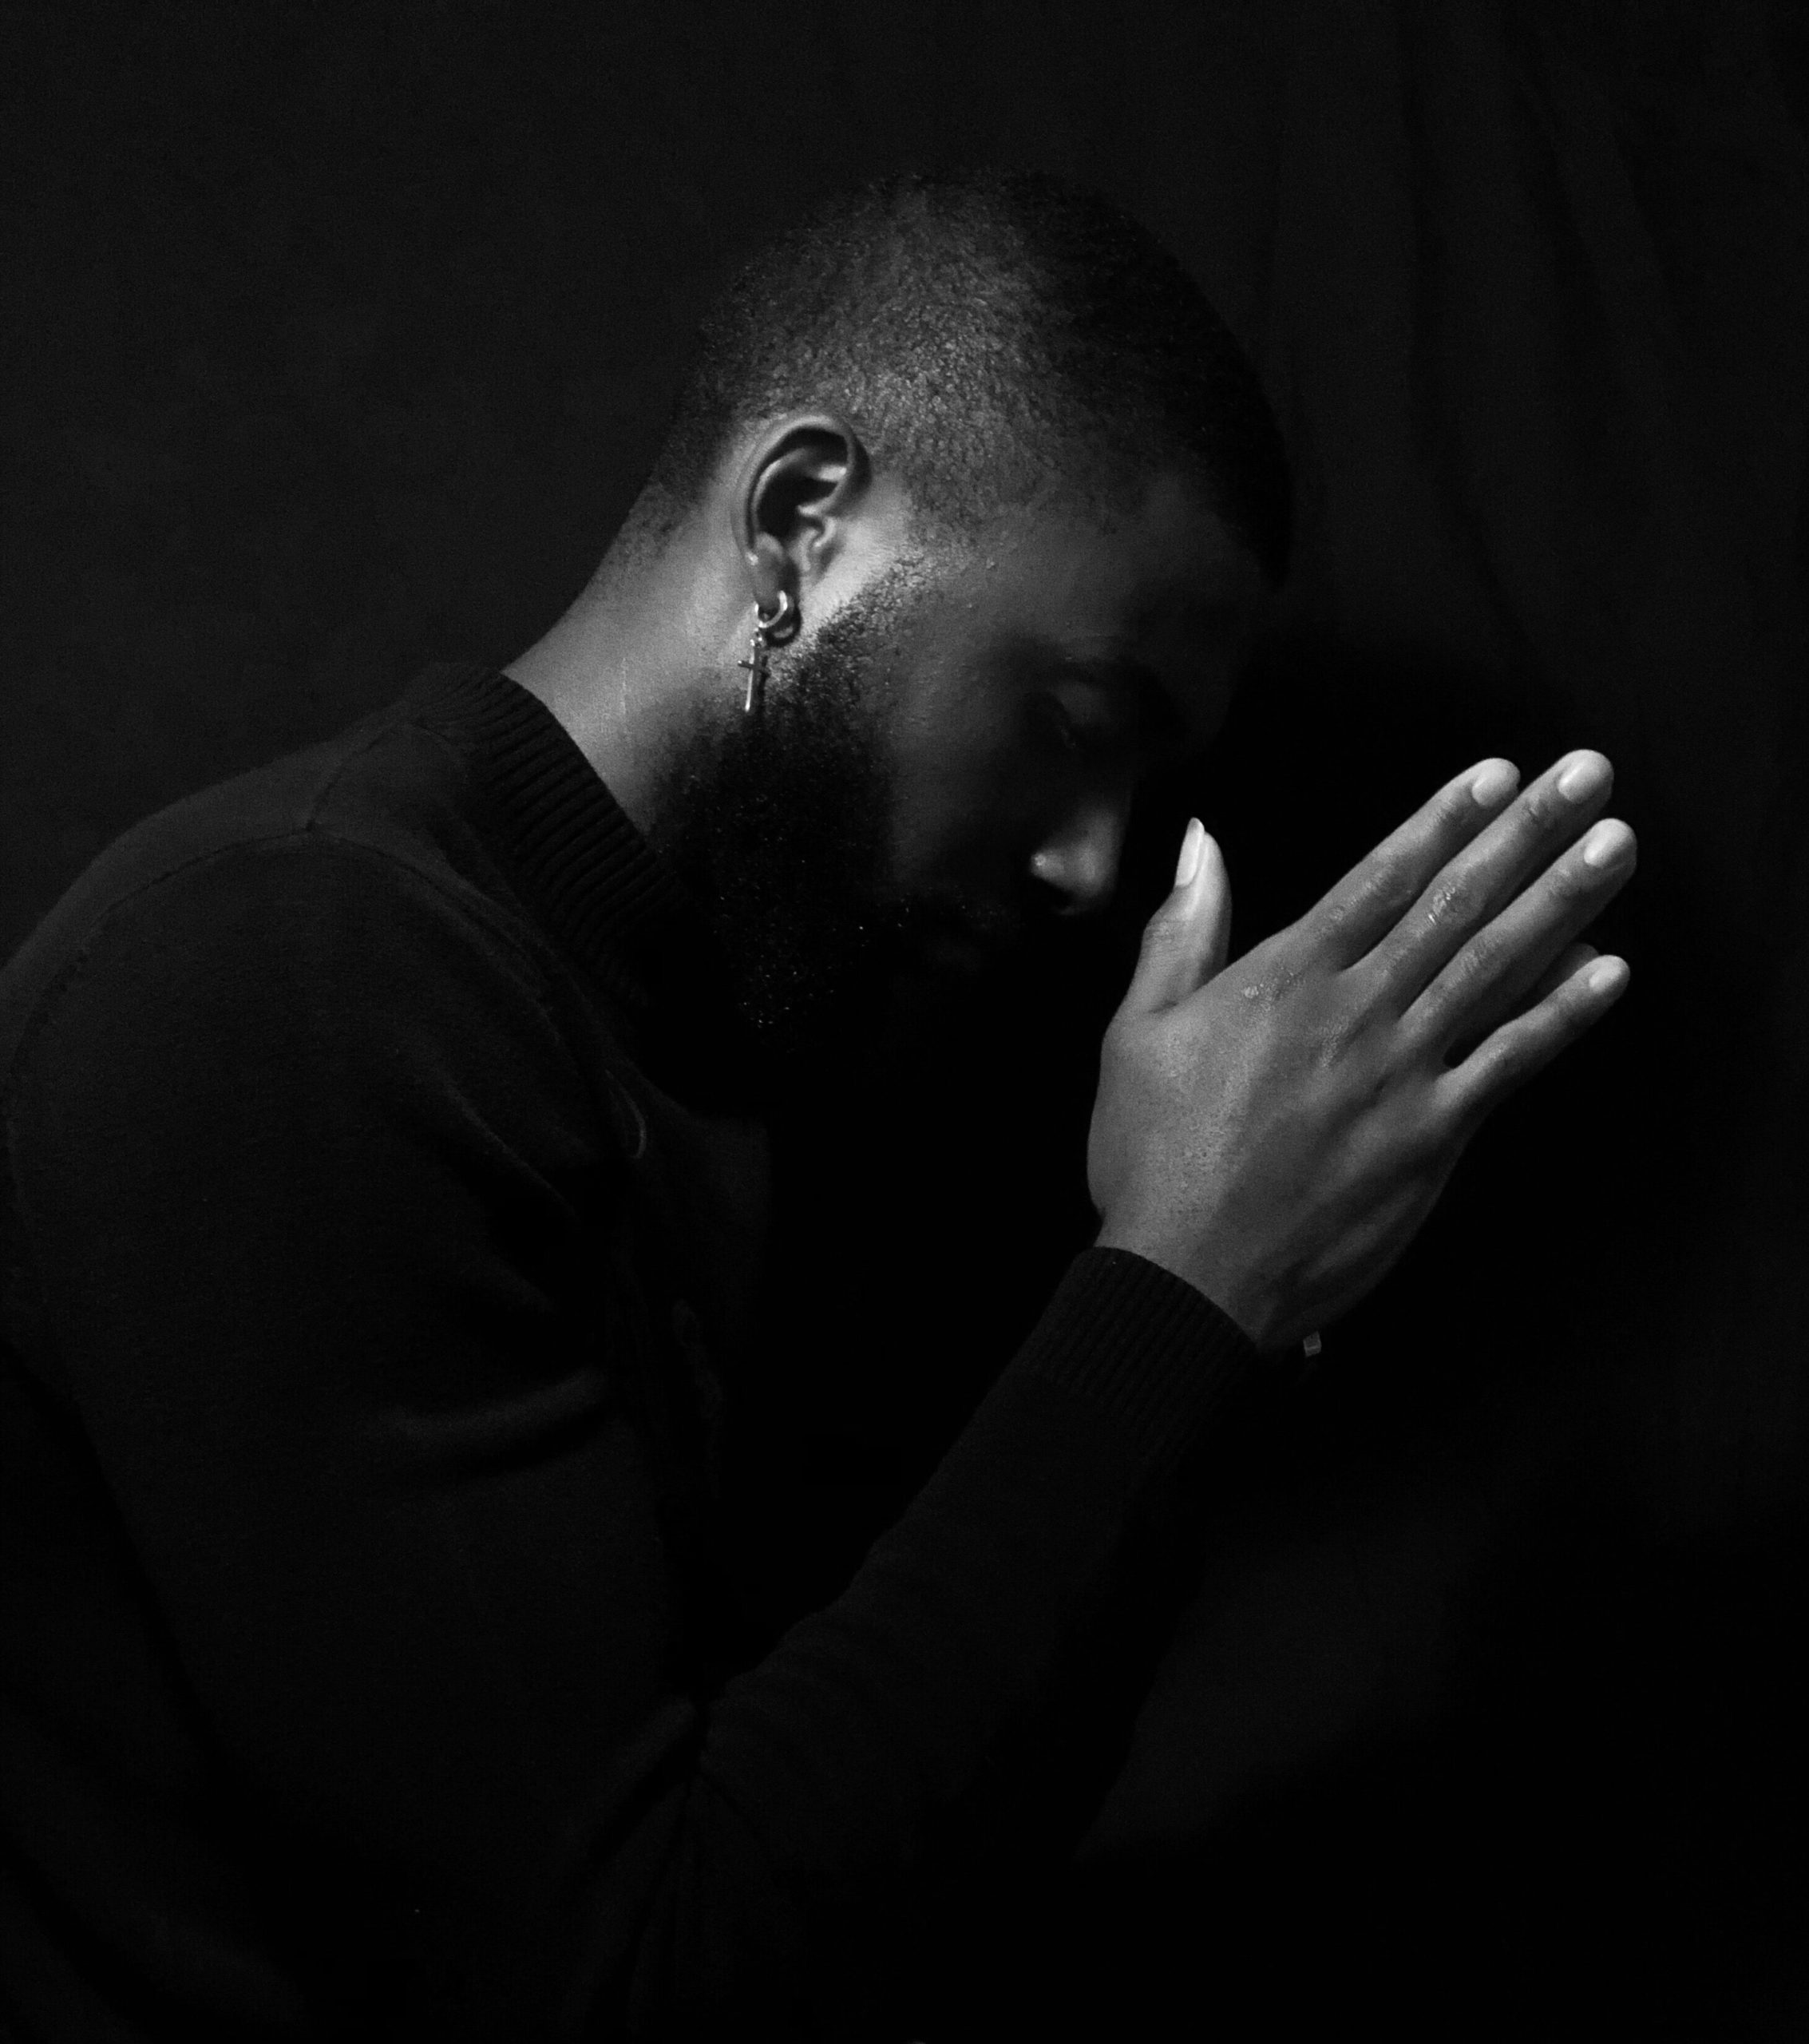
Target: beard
(779, 824)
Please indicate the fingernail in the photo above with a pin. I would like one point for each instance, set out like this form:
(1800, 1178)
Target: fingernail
(1192, 844)
(1582, 778)
(1495, 783)
(1608, 976)
(1606, 844)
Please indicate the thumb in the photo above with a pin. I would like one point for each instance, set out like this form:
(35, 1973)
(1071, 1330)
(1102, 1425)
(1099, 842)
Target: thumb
(1186, 941)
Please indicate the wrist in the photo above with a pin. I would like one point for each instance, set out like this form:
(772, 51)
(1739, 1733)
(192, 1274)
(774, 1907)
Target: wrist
(1217, 1285)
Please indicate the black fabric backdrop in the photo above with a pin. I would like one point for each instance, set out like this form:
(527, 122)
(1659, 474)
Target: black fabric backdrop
(340, 339)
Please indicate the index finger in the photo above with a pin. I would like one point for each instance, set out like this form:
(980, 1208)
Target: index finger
(1379, 890)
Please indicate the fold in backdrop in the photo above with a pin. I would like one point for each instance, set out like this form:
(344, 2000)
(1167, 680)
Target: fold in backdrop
(339, 340)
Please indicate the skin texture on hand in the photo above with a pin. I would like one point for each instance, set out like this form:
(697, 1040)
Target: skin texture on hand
(1275, 1130)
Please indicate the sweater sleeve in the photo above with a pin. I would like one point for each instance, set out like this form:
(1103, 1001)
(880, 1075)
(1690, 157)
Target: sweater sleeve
(309, 1180)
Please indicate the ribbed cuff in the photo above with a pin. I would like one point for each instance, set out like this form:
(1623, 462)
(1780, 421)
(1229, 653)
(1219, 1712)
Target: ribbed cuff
(1142, 1345)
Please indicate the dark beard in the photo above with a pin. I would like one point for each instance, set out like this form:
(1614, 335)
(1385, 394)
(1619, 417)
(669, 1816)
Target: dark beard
(779, 824)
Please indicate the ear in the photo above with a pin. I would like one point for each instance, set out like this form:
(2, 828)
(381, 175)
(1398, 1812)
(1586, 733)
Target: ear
(803, 480)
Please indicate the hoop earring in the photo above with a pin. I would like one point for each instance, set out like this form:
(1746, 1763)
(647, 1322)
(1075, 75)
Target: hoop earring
(766, 630)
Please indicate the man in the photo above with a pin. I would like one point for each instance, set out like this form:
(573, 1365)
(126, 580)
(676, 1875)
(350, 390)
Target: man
(386, 1194)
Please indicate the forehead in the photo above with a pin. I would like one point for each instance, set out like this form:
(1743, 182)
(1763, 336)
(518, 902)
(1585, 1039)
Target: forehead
(1156, 573)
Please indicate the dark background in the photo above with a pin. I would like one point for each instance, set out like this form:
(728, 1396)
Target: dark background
(340, 338)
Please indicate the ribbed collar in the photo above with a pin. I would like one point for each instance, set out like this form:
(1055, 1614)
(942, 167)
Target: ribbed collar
(605, 896)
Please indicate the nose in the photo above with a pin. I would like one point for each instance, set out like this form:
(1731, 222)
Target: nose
(1078, 860)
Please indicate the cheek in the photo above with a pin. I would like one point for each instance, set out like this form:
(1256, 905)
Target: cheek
(964, 811)
(940, 815)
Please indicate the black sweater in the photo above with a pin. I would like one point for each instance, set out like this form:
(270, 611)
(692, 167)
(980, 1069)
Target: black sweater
(383, 1205)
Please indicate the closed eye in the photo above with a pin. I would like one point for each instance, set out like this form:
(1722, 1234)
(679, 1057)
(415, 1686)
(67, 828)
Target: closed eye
(1082, 738)
(1066, 733)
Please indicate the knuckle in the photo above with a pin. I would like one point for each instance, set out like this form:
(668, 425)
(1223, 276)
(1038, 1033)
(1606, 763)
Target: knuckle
(1496, 1073)
(1452, 898)
(1475, 967)
(1340, 908)
(1569, 881)
(1270, 973)
(1438, 1008)
(1546, 808)
(1384, 973)
(1512, 1057)
(1286, 973)
(1339, 1038)
(1503, 1059)
(1374, 887)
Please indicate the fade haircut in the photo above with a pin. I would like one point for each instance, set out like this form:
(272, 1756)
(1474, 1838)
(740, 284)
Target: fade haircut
(990, 336)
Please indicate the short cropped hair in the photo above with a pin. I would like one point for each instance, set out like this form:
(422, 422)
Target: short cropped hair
(989, 334)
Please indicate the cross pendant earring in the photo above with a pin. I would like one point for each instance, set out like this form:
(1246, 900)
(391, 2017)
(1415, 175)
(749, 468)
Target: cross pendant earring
(766, 629)
(756, 666)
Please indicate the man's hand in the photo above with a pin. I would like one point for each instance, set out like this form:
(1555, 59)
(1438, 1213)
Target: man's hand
(1275, 1130)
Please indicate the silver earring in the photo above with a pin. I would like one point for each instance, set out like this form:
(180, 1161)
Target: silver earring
(766, 629)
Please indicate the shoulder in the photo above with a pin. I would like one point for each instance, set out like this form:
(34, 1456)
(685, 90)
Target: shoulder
(352, 864)
(298, 1010)
(301, 963)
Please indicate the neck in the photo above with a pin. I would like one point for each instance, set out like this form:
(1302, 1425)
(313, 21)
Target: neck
(629, 669)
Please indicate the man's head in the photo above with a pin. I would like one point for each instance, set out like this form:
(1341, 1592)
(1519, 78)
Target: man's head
(995, 338)
(1022, 490)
